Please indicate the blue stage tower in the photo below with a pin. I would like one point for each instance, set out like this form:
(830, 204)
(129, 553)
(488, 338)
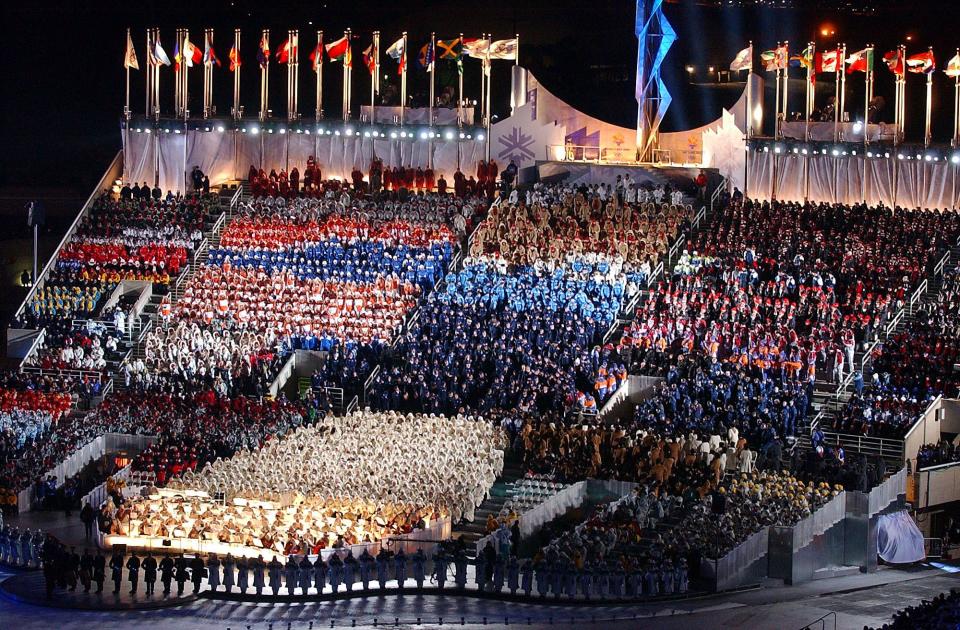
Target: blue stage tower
(655, 36)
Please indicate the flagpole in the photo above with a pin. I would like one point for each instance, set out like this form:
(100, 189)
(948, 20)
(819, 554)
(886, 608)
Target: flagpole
(349, 60)
(956, 108)
(747, 123)
(296, 75)
(837, 68)
(432, 51)
(264, 66)
(811, 48)
(156, 80)
(866, 121)
(126, 65)
(403, 79)
(344, 105)
(375, 77)
(186, 74)
(318, 60)
(786, 83)
(319, 73)
(776, 101)
(487, 104)
(149, 77)
(903, 92)
(843, 82)
(176, 74)
(460, 85)
(483, 84)
(926, 136)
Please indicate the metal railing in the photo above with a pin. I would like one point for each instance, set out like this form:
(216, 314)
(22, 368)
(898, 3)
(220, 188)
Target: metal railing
(822, 622)
(113, 172)
(68, 372)
(368, 384)
(886, 448)
(352, 406)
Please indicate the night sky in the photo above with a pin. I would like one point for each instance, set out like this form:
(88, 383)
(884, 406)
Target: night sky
(64, 82)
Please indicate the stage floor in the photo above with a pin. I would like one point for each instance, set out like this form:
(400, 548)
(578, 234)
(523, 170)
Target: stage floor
(574, 172)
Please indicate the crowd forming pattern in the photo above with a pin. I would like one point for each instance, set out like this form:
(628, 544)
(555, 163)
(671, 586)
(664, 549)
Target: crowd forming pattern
(762, 299)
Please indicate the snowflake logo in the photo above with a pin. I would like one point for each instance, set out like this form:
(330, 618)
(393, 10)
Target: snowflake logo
(516, 146)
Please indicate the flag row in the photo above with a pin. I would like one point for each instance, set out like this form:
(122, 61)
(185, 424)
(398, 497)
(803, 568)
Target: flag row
(834, 60)
(339, 50)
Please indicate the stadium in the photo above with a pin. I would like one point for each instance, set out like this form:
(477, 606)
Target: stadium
(441, 339)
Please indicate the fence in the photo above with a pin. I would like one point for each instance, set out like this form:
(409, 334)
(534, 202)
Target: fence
(79, 459)
(733, 569)
(888, 491)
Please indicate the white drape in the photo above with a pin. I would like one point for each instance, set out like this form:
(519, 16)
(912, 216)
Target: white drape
(899, 540)
(906, 183)
(139, 157)
(173, 166)
(213, 152)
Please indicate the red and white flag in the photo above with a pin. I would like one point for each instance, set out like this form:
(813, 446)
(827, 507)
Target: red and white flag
(922, 63)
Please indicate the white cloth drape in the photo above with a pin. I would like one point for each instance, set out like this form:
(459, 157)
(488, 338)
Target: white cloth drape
(139, 157)
(905, 183)
(173, 165)
(899, 540)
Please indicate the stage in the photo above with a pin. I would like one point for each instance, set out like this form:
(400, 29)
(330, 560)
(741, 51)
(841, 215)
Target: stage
(588, 172)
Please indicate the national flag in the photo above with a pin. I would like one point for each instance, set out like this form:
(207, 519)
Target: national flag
(477, 48)
(829, 61)
(209, 54)
(316, 56)
(263, 52)
(130, 57)
(504, 49)
(177, 57)
(860, 61)
(287, 50)
(370, 58)
(894, 61)
(398, 52)
(449, 48)
(782, 56)
(425, 58)
(742, 61)
(922, 63)
(191, 53)
(953, 67)
(234, 57)
(769, 60)
(159, 54)
(804, 59)
(337, 50)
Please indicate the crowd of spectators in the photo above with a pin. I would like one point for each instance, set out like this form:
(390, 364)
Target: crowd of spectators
(943, 611)
(522, 324)
(790, 288)
(943, 452)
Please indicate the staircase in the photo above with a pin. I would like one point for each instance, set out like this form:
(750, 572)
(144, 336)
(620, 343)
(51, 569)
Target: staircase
(828, 400)
(151, 312)
(472, 532)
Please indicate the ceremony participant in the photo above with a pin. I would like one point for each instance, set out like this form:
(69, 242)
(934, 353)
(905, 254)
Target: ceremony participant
(320, 575)
(197, 572)
(274, 570)
(304, 574)
(149, 566)
(258, 568)
(400, 567)
(181, 574)
(167, 568)
(243, 574)
(213, 572)
(383, 567)
(419, 567)
(116, 567)
(99, 570)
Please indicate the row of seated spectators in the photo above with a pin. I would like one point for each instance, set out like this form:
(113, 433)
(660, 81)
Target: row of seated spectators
(118, 239)
(788, 287)
(943, 452)
(319, 274)
(522, 326)
(548, 224)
